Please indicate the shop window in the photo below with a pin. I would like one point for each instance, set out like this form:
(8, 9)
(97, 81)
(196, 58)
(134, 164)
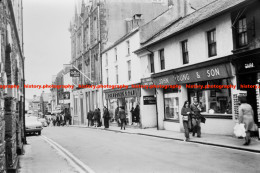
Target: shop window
(214, 101)
(151, 58)
(171, 106)
(242, 39)
(162, 60)
(185, 53)
(212, 44)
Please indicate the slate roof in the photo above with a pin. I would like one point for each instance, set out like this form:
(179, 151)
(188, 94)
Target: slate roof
(209, 11)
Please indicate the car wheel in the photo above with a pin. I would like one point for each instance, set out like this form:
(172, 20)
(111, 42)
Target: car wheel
(39, 133)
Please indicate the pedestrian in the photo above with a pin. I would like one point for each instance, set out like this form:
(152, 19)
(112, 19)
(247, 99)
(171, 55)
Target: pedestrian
(95, 118)
(117, 116)
(246, 116)
(186, 112)
(106, 117)
(133, 115)
(196, 108)
(99, 118)
(137, 114)
(89, 117)
(122, 117)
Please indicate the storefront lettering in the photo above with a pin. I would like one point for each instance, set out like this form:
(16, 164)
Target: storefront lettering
(183, 77)
(249, 65)
(213, 72)
(163, 81)
(122, 94)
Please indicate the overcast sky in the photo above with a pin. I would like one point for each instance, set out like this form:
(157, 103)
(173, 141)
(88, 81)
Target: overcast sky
(46, 40)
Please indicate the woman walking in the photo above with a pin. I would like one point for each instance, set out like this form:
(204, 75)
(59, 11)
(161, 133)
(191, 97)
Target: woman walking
(246, 116)
(122, 117)
(185, 112)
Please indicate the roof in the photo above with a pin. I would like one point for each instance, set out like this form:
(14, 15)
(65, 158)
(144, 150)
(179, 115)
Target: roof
(201, 15)
(121, 39)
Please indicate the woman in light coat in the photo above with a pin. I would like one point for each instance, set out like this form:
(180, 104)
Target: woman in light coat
(246, 116)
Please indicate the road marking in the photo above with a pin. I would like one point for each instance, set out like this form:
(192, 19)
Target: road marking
(75, 162)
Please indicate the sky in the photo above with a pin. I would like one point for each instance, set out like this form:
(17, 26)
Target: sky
(46, 40)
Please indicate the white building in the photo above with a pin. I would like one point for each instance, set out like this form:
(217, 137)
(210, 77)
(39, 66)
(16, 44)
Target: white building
(195, 49)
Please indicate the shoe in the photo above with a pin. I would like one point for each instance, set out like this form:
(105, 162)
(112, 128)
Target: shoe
(249, 141)
(246, 143)
(187, 139)
(193, 134)
(199, 136)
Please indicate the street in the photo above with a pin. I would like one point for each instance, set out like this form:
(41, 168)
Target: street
(108, 151)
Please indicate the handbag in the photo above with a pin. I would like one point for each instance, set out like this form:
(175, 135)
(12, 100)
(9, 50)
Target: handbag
(185, 118)
(203, 119)
(239, 130)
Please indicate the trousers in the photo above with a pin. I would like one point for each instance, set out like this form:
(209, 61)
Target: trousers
(196, 126)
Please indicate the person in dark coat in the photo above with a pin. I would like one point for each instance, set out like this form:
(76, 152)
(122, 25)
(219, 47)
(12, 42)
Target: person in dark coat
(106, 117)
(117, 116)
(99, 117)
(186, 112)
(196, 108)
(137, 114)
(133, 115)
(122, 117)
(89, 117)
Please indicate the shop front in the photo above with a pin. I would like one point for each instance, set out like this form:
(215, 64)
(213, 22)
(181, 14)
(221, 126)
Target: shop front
(248, 80)
(213, 86)
(127, 98)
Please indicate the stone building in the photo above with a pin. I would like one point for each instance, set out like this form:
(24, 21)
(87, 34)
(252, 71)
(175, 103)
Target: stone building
(97, 25)
(11, 73)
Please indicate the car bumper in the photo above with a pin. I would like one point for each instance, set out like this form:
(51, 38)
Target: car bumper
(33, 130)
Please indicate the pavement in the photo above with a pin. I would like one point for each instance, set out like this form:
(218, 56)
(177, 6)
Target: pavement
(231, 142)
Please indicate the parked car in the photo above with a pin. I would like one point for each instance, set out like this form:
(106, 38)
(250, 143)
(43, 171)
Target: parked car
(32, 125)
(43, 121)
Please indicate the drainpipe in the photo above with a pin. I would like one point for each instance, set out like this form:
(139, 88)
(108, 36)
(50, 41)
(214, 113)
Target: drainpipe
(157, 117)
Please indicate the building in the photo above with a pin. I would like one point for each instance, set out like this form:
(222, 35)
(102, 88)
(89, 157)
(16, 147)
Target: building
(11, 73)
(121, 67)
(246, 51)
(97, 25)
(194, 49)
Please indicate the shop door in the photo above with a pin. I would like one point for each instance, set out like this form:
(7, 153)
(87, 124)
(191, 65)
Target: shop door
(250, 79)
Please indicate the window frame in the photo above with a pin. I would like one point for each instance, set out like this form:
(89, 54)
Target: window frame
(212, 42)
(243, 33)
(129, 70)
(162, 59)
(117, 76)
(151, 60)
(115, 50)
(128, 47)
(185, 52)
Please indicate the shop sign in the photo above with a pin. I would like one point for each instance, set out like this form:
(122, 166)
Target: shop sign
(196, 75)
(248, 65)
(149, 100)
(147, 81)
(74, 73)
(165, 80)
(204, 74)
(133, 92)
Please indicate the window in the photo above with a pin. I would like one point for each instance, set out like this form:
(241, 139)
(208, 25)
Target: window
(171, 105)
(117, 74)
(213, 101)
(107, 76)
(115, 54)
(129, 70)
(151, 57)
(212, 45)
(162, 61)
(106, 59)
(128, 47)
(242, 32)
(185, 53)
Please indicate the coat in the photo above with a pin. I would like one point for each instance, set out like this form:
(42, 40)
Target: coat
(184, 112)
(122, 114)
(246, 116)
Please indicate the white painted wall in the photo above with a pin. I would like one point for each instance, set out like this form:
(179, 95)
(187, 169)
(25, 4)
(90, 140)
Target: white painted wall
(121, 62)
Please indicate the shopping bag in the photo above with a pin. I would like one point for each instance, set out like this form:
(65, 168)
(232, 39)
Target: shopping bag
(239, 130)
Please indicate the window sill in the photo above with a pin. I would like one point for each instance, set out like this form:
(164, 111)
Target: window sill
(240, 49)
(217, 116)
(171, 120)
